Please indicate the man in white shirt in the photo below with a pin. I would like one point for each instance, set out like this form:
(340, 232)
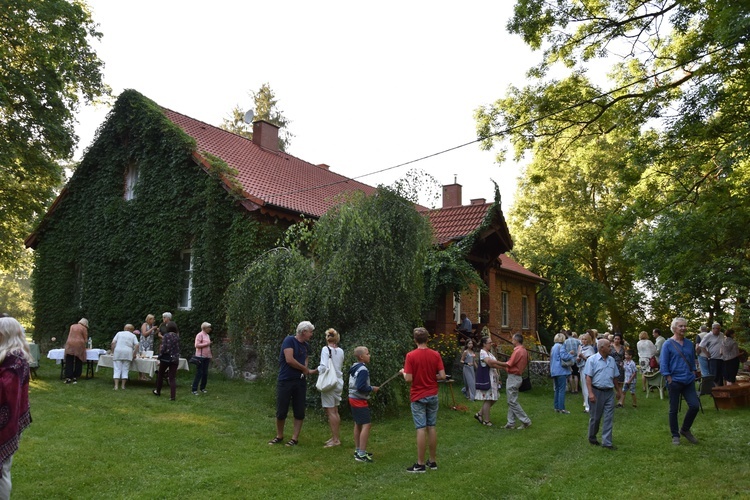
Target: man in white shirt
(711, 347)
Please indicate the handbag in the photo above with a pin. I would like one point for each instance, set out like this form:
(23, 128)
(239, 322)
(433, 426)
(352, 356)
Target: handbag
(165, 358)
(328, 380)
(196, 360)
(565, 363)
(526, 381)
(653, 363)
(483, 382)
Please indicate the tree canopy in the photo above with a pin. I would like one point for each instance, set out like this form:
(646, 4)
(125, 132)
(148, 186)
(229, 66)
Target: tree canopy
(266, 108)
(48, 68)
(650, 162)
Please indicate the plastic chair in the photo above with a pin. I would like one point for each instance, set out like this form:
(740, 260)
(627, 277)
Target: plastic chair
(34, 363)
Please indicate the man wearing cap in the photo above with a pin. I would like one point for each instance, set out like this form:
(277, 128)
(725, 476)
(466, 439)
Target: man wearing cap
(600, 372)
(290, 385)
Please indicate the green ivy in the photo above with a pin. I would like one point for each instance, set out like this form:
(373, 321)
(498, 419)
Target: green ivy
(127, 254)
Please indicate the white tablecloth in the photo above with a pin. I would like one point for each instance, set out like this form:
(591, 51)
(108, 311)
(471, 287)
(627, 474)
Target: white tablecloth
(91, 354)
(143, 365)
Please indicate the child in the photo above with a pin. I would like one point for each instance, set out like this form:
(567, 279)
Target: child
(359, 393)
(630, 373)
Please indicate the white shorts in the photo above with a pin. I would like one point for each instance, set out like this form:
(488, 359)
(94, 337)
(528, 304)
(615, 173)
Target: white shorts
(121, 368)
(330, 399)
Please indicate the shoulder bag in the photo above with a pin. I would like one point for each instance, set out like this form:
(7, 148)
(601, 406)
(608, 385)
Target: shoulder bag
(483, 382)
(196, 360)
(563, 362)
(328, 380)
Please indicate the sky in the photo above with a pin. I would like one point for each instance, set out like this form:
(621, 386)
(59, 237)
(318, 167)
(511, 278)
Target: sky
(366, 86)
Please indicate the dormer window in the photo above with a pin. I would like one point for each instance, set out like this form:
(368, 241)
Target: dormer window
(131, 179)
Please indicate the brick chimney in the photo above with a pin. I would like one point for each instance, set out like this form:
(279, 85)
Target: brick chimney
(478, 201)
(452, 195)
(324, 166)
(266, 135)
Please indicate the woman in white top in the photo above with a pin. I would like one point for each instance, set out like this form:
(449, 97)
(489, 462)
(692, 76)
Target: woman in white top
(330, 399)
(124, 348)
(487, 361)
(646, 351)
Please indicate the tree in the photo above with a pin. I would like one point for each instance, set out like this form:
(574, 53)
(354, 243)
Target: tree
(266, 108)
(48, 68)
(678, 90)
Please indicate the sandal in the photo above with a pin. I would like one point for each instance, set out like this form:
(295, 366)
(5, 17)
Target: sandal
(276, 440)
(291, 442)
(487, 423)
(478, 417)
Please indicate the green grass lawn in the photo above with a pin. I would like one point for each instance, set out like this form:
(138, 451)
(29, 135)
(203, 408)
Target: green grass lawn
(89, 441)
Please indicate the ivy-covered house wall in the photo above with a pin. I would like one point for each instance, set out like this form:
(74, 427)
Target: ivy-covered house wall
(114, 260)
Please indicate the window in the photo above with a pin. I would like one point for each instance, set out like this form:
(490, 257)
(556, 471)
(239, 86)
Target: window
(186, 275)
(506, 309)
(478, 319)
(131, 178)
(525, 312)
(456, 308)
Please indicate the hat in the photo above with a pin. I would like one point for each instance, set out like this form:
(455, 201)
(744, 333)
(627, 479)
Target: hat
(84, 322)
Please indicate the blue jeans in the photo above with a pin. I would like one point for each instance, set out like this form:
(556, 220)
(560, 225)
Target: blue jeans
(703, 364)
(424, 412)
(560, 382)
(687, 391)
(201, 374)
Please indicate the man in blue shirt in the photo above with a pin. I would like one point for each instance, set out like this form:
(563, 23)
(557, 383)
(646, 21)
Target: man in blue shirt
(677, 364)
(291, 385)
(465, 329)
(600, 372)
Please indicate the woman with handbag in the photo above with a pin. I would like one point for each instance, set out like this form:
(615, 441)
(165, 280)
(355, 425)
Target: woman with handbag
(202, 358)
(169, 359)
(487, 382)
(560, 362)
(331, 374)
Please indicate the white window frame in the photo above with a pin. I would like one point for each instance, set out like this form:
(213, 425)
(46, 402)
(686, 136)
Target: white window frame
(478, 319)
(182, 306)
(524, 312)
(131, 179)
(505, 309)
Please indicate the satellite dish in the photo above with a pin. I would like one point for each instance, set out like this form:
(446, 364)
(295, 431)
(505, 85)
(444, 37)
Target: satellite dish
(248, 118)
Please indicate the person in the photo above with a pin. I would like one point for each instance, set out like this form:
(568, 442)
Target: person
(169, 359)
(469, 364)
(702, 355)
(572, 344)
(202, 351)
(487, 361)
(658, 341)
(331, 399)
(630, 375)
(515, 367)
(617, 352)
(124, 348)
(677, 363)
(290, 384)
(587, 350)
(711, 346)
(166, 318)
(600, 372)
(465, 329)
(14, 395)
(75, 350)
(148, 330)
(559, 372)
(730, 354)
(359, 393)
(422, 369)
(646, 351)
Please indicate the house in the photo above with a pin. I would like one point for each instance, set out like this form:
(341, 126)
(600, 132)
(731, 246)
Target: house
(509, 303)
(164, 210)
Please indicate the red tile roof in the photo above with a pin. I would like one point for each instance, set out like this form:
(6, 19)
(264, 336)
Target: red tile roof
(453, 223)
(510, 265)
(270, 178)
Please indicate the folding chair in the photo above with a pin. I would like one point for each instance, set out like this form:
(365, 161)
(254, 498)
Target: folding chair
(34, 363)
(706, 384)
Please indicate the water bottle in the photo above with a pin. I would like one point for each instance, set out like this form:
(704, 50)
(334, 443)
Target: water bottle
(89, 346)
